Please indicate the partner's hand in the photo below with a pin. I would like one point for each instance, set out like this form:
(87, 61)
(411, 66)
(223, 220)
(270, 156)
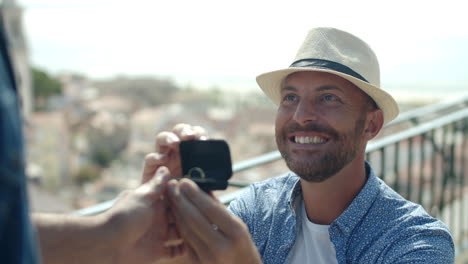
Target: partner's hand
(134, 230)
(210, 232)
(167, 149)
(140, 223)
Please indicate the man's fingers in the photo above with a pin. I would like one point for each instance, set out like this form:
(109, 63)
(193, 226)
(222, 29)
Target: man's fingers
(152, 162)
(213, 196)
(166, 141)
(213, 210)
(155, 187)
(190, 219)
(170, 216)
(189, 132)
(184, 131)
(192, 255)
(193, 245)
(179, 250)
(174, 238)
(200, 132)
(167, 145)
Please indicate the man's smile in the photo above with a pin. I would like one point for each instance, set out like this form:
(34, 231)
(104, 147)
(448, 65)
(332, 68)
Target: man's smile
(308, 139)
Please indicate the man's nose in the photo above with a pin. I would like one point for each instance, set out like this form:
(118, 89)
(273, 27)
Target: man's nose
(305, 112)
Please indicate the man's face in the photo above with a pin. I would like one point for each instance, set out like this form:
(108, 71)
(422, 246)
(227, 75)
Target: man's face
(319, 124)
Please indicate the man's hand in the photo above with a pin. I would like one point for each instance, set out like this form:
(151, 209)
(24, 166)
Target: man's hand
(167, 149)
(134, 230)
(141, 225)
(210, 232)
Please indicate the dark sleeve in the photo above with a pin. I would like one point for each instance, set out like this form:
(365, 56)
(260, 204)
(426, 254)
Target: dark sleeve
(17, 242)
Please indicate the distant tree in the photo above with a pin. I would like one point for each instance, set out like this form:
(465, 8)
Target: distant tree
(215, 96)
(103, 157)
(44, 86)
(141, 91)
(86, 174)
(107, 138)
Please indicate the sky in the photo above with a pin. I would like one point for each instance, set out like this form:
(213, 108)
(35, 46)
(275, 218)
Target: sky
(421, 45)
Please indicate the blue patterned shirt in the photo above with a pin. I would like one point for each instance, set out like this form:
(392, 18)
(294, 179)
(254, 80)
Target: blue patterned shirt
(379, 226)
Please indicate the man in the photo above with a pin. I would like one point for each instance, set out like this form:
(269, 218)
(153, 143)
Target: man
(135, 230)
(331, 208)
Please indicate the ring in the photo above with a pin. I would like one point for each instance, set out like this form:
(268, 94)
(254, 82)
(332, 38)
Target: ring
(174, 242)
(215, 227)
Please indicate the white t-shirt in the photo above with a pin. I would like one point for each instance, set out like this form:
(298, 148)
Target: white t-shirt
(312, 244)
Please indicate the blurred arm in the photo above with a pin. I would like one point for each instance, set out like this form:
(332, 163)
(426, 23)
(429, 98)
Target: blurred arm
(73, 239)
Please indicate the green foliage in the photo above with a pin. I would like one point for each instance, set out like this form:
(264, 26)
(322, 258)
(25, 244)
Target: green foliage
(86, 174)
(214, 96)
(103, 157)
(44, 86)
(107, 141)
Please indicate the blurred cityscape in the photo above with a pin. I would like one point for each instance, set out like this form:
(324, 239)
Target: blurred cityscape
(86, 139)
(88, 143)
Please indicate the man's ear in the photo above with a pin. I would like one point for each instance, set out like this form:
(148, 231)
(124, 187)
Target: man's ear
(373, 124)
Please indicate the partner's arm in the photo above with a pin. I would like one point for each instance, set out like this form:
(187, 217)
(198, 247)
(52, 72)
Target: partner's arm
(134, 230)
(74, 239)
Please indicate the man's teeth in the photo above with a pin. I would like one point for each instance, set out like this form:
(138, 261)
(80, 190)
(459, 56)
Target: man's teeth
(309, 140)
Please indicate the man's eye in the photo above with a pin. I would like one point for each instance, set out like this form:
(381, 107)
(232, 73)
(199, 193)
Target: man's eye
(330, 98)
(290, 97)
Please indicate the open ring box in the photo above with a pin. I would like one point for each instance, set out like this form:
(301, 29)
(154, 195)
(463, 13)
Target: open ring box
(207, 163)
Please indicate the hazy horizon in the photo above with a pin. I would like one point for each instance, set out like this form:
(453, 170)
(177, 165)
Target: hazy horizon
(225, 45)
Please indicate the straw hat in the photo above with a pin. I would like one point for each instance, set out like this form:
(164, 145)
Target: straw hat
(340, 53)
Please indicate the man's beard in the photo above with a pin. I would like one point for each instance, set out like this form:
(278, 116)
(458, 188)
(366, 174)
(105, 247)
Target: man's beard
(341, 150)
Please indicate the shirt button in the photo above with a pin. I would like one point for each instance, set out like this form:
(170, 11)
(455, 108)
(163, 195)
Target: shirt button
(336, 230)
(347, 230)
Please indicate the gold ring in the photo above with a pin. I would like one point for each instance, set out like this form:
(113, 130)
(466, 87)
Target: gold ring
(196, 169)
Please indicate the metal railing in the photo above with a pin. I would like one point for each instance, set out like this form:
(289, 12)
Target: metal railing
(425, 160)
(427, 164)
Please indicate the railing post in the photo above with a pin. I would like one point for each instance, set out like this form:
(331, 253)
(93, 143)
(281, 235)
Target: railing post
(382, 164)
(422, 164)
(433, 175)
(463, 160)
(453, 182)
(410, 168)
(395, 166)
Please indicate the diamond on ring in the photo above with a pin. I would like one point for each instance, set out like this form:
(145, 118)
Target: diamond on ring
(215, 227)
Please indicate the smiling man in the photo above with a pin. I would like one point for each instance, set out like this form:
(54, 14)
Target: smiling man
(331, 208)
(319, 123)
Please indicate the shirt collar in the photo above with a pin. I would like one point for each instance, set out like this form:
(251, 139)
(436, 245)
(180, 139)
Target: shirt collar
(358, 208)
(295, 193)
(355, 211)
